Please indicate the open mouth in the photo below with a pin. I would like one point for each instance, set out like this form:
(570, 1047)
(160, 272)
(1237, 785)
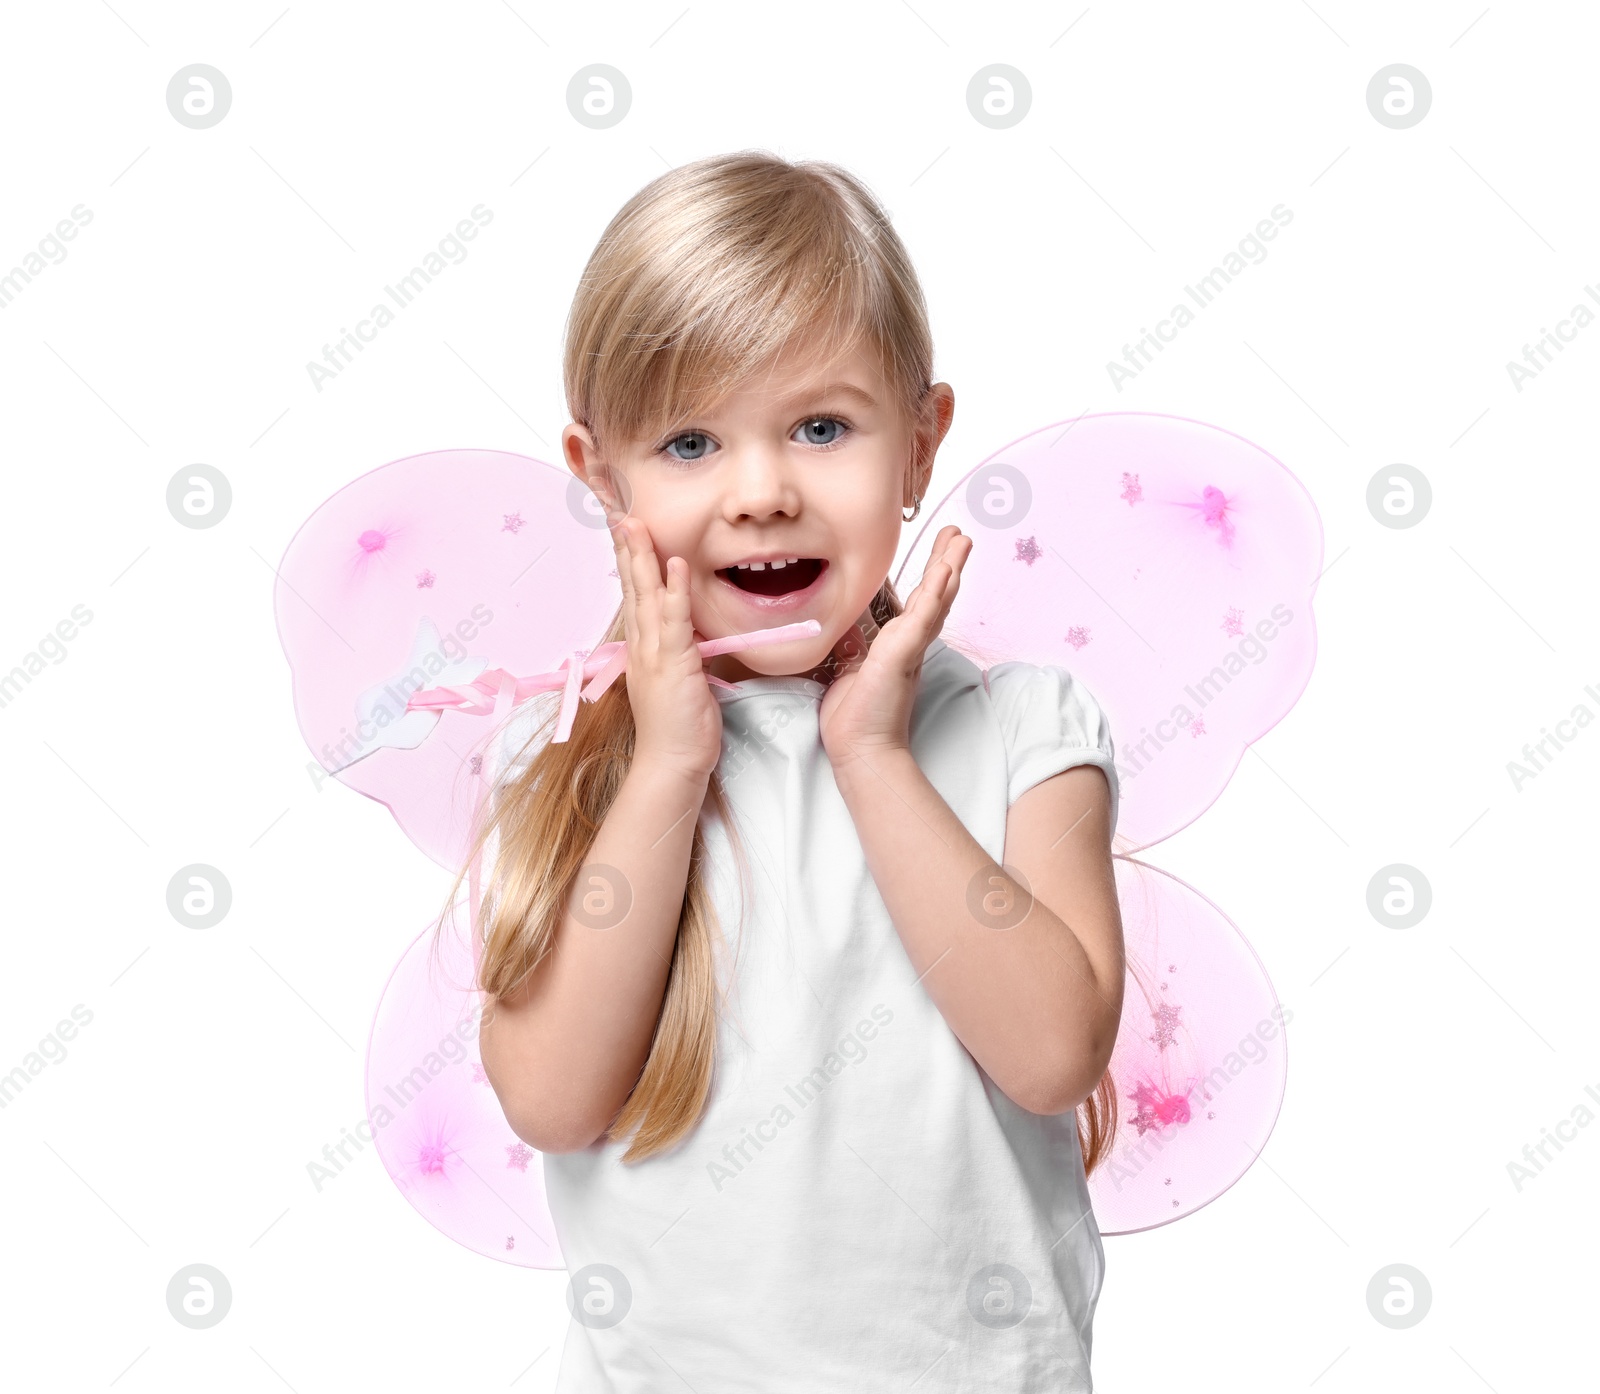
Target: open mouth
(774, 577)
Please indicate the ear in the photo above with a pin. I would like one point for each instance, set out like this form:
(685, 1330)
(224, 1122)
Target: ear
(579, 450)
(583, 458)
(935, 412)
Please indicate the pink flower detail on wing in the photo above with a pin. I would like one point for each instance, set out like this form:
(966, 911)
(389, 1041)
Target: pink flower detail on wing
(425, 579)
(1166, 1018)
(514, 523)
(1157, 1108)
(1077, 636)
(1132, 490)
(371, 548)
(1028, 550)
(432, 1154)
(518, 1155)
(1233, 622)
(1214, 505)
(1197, 727)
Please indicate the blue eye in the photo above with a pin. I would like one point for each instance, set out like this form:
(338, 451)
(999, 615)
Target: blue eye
(815, 431)
(696, 447)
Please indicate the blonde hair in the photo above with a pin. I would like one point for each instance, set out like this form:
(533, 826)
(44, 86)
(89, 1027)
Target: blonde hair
(704, 276)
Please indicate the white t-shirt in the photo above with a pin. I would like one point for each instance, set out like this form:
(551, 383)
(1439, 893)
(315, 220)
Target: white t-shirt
(859, 1207)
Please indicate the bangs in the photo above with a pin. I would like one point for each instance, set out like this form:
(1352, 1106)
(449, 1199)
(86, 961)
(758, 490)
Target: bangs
(714, 272)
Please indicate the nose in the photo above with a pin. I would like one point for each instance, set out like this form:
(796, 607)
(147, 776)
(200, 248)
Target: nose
(760, 484)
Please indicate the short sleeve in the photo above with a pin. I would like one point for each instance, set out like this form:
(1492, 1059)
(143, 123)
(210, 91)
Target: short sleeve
(1050, 722)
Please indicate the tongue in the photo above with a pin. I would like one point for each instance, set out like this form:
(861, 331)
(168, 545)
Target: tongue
(793, 577)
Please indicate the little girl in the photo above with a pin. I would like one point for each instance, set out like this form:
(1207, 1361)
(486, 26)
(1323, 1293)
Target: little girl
(798, 983)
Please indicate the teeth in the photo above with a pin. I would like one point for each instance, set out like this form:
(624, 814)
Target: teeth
(777, 564)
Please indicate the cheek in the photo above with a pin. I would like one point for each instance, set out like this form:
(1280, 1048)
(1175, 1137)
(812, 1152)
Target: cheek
(675, 528)
(863, 499)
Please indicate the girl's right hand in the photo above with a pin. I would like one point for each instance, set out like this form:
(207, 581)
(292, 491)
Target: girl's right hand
(677, 721)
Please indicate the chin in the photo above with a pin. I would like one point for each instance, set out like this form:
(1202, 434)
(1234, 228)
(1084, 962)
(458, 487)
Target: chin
(772, 662)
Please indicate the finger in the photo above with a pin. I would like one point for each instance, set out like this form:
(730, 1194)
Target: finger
(950, 553)
(676, 630)
(624, 550)
(942, 543)
(959, 552)
(934, 594)
(936, 554)
(647, 587)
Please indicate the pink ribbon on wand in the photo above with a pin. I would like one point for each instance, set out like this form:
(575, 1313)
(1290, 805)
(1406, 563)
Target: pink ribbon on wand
(495, 690)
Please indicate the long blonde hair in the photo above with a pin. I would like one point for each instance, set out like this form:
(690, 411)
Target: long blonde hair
(706, 274)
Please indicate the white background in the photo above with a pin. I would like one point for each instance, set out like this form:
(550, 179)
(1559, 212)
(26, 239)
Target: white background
(218, 262)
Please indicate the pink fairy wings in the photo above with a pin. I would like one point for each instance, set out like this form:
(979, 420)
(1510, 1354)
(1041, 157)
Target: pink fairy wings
(1169, 566)
(407, 581)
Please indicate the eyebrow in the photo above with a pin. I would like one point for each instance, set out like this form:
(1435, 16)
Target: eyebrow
(845, 389)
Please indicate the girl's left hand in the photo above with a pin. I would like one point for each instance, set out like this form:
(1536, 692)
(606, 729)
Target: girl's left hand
(867, 709)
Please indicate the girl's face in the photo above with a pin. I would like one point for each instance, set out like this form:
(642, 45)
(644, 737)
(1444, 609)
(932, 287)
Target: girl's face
(784, 501)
